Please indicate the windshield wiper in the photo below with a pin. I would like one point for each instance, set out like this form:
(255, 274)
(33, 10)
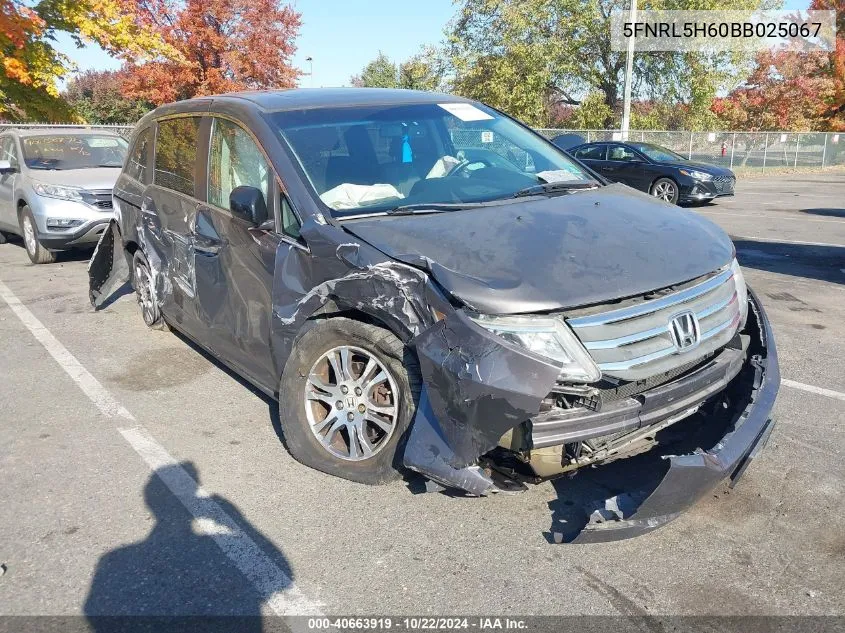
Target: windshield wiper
(427, 207)
(552, 187)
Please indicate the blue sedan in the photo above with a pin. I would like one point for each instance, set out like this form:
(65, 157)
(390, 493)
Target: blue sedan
(656, 170)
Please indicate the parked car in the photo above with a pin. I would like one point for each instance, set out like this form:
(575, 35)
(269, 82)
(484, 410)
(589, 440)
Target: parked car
(659, 171)
(425, 283)
(55, 187)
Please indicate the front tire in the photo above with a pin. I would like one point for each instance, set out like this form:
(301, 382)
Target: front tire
(666, 189)
(347, 396)
(37, 253)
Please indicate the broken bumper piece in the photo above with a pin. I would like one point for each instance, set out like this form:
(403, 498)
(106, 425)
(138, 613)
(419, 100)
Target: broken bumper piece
(689, 477)
(109, 268)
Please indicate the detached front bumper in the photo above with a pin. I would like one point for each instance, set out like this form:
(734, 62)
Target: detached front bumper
(476, 389)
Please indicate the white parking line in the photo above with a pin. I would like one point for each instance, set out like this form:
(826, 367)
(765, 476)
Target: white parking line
(279, 593)
(830, 393)
(757, 238)
(92, 388)
(769, 217)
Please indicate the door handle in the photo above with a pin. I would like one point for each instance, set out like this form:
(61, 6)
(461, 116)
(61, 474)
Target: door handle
(207, 246)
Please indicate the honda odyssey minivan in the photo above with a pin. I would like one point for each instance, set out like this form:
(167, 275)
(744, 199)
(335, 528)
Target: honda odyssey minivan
(424, 283)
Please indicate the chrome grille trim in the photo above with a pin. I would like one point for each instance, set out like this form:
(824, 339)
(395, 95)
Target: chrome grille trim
(657, 331)
(667, 351)
(649, 307)
(636, 342)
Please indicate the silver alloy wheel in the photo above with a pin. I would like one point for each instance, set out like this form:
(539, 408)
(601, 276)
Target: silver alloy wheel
(144, 293)
(351, 402)
(29, 235)
(665, 191)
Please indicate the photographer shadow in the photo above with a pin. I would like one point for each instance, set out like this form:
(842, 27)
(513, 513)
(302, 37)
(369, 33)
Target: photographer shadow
(180, 576)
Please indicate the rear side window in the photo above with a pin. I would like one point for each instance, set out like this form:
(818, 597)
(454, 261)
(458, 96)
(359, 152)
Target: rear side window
(139, 157)
(594, 152)
(176, 154)
(619, 152)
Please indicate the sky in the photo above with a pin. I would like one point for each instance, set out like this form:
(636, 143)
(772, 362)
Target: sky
(340, 35)
(343, 35)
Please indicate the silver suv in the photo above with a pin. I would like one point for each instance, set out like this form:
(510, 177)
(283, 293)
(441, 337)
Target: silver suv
(56, 187)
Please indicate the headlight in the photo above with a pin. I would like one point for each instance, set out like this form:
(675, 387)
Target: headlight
(548, 337)
(741, 292)
(57, 191)
(696, 175)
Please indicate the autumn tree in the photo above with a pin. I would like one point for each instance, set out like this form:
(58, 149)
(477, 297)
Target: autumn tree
(787, 90)
(30, 65)
(96, 97)
(832, 110)
(227, 45)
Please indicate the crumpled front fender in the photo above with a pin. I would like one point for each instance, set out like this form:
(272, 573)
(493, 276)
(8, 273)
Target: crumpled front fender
(476, 389)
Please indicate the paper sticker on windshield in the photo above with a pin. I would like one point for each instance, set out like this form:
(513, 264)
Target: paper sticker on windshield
(487, 136)
(103, 142)
(465, 111)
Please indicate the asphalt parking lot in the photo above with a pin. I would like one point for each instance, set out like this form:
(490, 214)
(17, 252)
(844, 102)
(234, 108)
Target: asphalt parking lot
(94, 403)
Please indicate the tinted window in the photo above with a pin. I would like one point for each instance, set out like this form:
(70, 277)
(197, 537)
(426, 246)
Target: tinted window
(7, 151)
(235, 161)
(73, 151)
(622, 153)
(136, 166)
(593, 152)
(176, 154)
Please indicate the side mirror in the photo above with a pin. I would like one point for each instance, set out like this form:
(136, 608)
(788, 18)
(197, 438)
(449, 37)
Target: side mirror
(248, 204)
(6, 167)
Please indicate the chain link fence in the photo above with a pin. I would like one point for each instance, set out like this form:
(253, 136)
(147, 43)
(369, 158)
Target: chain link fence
(736, 150)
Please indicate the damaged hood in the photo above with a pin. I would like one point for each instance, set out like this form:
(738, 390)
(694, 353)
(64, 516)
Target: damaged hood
(554, 253)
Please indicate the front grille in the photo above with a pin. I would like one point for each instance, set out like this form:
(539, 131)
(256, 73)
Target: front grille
(724, 184)
(98, 198)
(635, 342)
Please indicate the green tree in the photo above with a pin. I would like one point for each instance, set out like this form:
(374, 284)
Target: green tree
(96, 98)
(423, 71)
(379, 73)
(528, 56)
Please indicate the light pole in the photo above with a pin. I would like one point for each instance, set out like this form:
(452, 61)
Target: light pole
(629, 68)
(310, 61)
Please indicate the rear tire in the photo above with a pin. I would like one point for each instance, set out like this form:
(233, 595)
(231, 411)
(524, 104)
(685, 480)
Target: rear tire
(142, 282)
(331, 421)
(666, 189)
(37, 253)
(3, 237)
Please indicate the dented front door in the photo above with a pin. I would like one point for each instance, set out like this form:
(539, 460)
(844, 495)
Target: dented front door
(234, 260)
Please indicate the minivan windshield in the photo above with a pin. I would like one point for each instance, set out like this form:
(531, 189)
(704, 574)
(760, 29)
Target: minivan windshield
(73, 151)
(362, 159)
(658, 154)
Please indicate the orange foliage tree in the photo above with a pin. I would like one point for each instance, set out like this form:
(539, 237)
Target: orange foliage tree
(792, 89)
(30, 65)
(226, 45)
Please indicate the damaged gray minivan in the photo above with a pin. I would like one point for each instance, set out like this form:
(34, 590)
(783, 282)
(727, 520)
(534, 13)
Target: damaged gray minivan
(424, 283)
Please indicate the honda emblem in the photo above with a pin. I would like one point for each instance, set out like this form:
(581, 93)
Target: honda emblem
(684, 330)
